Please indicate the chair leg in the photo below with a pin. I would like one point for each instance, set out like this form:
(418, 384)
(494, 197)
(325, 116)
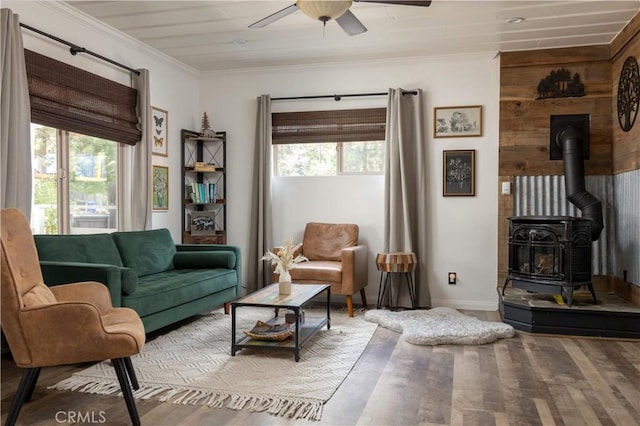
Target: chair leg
(121, 372)
(363, 295)
(33, 385)
(132, 373)
(350, 305)
(25, 390)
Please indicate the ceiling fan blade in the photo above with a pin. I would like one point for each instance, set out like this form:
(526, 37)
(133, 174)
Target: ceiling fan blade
(350, 24)
(423, 3)
(274, 17)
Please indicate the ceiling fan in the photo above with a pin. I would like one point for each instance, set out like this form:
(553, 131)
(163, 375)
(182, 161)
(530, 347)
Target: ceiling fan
(325, 10)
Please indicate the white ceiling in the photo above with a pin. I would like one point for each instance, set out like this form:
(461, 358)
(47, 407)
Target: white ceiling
(214, 35)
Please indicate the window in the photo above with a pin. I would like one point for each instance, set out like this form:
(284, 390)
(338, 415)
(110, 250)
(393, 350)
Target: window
(329, 143)
(75, 182)
(329, 159)
(79, 120)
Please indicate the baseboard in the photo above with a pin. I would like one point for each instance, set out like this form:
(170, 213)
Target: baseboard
(472, 305)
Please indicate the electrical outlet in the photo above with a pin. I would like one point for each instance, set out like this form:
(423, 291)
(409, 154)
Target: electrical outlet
(453, 276)
(506, 188)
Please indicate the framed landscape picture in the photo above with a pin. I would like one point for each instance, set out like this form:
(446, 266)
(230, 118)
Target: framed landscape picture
(457, 121)
(160, 188)
(159, 126)
(458, 172)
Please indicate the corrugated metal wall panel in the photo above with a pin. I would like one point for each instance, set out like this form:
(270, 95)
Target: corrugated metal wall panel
(627, 233)
(545, 196)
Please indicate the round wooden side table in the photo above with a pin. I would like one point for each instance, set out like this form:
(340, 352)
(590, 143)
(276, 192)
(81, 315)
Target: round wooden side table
(396, 263)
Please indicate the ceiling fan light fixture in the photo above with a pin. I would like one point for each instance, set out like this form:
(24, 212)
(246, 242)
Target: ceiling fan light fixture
(324, 10)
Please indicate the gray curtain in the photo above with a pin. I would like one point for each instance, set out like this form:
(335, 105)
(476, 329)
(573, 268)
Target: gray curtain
(135, 181)
(15, 141)
(261, 238)
(406, 188)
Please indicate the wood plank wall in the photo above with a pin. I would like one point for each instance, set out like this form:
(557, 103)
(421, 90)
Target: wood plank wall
(626, 145)
(525, 121)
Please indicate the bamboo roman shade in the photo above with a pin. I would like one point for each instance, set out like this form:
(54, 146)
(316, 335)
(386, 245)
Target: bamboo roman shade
(350, 125)
(68, 98)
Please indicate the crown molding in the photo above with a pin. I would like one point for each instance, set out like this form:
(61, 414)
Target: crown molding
(93, 24)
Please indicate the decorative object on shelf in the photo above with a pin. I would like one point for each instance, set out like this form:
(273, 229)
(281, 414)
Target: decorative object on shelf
(268, 332)
(458, 172)
(203, 223)
(628, 94)
(160, 125)
(285, 261)
(560, 84)
(457, 121)
(160, 188)
(205, 130)
(201, 166)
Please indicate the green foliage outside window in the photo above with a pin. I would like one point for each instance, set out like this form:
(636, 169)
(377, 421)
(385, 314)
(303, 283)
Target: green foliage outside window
(311, 159)
(330, 159)
(363, 157)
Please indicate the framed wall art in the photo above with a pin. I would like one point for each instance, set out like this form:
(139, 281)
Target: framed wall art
(458, 172)
(457, 121)
(160, 188)
(203, 223)
(159, 126)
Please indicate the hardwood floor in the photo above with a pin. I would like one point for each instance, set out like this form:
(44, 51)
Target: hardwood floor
(527, 380)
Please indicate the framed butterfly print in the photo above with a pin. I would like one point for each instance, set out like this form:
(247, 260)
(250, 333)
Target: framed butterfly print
(159, 126)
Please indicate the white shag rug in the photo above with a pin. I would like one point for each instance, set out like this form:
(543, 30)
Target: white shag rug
(193, 365)
(440, 326)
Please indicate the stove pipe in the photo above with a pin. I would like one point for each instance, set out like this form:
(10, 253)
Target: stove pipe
(570, 141)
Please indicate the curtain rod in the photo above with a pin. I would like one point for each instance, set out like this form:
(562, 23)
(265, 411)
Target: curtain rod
(339, 97)
(75, 49)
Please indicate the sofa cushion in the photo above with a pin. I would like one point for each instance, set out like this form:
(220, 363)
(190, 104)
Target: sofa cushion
(318, 271)
(165, 290)
(204, 259)
(94, 248)
(146, 252)
(324, 241)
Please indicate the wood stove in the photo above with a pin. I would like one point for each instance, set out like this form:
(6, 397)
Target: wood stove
(550, 254)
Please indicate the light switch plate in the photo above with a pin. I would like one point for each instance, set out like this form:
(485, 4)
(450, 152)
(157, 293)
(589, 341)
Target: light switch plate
(506, 188)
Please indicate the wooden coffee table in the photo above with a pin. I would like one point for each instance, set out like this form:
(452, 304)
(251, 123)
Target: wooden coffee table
(301, 295)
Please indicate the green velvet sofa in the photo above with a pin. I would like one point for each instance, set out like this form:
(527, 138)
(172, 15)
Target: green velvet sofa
(146, 271)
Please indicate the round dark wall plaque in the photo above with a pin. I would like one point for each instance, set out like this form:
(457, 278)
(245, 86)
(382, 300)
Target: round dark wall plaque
(628, 94)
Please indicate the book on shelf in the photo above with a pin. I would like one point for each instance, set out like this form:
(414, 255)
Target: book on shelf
(212, 192)
(201, 193)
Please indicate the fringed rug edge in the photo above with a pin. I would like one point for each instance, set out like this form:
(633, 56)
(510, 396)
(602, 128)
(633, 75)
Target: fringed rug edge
(298, 408)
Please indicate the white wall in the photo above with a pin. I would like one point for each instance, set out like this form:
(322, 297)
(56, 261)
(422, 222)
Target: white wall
(462, 229)
(174, 86)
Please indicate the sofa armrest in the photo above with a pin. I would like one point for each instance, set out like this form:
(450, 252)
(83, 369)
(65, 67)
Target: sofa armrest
(354, 268)
(218, 247)
(56, 273)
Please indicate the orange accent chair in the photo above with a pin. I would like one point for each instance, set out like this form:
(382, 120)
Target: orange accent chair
(335, 258)
(65, 324)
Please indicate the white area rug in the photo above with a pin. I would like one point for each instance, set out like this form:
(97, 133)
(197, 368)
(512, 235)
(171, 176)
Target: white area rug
(193, 365)
(440, 326)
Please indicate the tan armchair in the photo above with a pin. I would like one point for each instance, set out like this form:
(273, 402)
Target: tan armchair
(335, 258)
(65, 324)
